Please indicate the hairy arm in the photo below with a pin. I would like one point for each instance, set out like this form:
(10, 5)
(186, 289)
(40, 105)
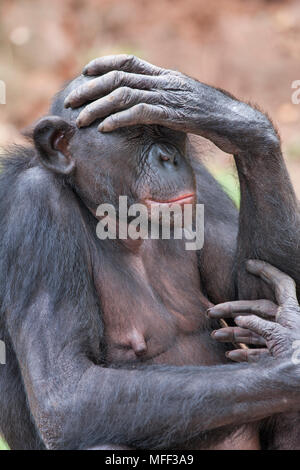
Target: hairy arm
(78, 404)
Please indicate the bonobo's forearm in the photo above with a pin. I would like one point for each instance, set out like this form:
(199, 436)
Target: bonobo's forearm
(269, 222)
(156, 408)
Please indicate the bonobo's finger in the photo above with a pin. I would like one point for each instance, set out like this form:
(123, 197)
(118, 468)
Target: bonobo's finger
(264, 308)
(238, 335)
(247, 355)
(119, 99)
(139, 114)
(264, 328)
(128, 63)
(101, 86)
(283, 285)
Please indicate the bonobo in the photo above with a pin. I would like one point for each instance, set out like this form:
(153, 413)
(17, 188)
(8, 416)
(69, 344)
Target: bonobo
(116, 343)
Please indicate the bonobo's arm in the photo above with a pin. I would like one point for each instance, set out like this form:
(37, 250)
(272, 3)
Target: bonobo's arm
(131, 91)
(77, 404)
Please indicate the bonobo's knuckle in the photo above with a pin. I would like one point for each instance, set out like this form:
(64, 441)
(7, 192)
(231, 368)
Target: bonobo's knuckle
(110, 76)
(264, 306)
(77, 93)
(287, 282)
(292, 283)
(280, 315)
(169, 72)
(252, 321)
(286, 287)
(115, 76)
(164, 112)
(141, 109)
(87, 111)
(288, 313)
(122, 95)
(272, 331)
(113, 119)
(129, 58)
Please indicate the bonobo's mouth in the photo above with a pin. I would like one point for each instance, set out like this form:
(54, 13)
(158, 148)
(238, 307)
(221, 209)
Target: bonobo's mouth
(187, 198)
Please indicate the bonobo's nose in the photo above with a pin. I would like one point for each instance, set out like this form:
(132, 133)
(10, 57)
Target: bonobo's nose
(165, 155)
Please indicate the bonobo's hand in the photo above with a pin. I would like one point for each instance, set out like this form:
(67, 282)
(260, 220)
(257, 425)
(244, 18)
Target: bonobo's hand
(130, 91)
(276, 328)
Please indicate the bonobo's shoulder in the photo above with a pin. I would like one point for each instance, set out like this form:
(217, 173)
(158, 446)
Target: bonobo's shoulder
(38, 181)
(27, 186)
(35, 178)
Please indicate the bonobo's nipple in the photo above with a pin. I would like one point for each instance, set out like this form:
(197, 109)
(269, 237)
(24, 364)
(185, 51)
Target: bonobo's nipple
(138, 342)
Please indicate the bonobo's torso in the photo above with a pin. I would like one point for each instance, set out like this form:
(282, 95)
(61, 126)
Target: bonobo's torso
(154, 312)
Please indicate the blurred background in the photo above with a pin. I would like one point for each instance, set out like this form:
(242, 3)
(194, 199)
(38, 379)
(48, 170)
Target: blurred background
(249, 47)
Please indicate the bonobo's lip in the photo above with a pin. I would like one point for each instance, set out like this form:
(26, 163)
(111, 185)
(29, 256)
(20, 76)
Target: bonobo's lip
(183, 199)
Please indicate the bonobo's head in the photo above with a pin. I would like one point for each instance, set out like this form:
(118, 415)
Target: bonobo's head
(146, 163)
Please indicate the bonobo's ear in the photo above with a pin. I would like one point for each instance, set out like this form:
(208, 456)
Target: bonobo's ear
(51, 137)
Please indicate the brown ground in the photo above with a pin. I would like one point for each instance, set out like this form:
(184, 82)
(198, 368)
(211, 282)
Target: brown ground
(250, 47)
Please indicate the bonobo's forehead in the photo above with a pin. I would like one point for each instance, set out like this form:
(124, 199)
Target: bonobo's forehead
(70, 115)
(57, 107)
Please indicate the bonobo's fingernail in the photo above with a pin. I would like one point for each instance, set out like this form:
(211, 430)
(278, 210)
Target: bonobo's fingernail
(67, 103)
(219, 334)
(238, 318)
(85, 70)
(233, 355)
(211, 312)
(101, 128)
(78, 122)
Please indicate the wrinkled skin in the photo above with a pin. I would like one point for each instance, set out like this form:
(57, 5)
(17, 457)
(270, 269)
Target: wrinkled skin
(108, 342)
(262, 322)
(132, 92)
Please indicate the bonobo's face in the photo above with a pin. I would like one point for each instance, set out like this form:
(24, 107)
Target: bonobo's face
(146, 163)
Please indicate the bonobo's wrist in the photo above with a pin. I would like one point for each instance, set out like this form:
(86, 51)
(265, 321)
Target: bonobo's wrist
(232, 125)
(286, 376)
(289, 371)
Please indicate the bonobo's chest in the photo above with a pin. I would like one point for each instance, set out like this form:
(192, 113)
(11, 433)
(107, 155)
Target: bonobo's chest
(153, 308)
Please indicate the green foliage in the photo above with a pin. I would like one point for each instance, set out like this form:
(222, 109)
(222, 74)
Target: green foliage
(3, 445)
(230, 183)
(292, 150)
